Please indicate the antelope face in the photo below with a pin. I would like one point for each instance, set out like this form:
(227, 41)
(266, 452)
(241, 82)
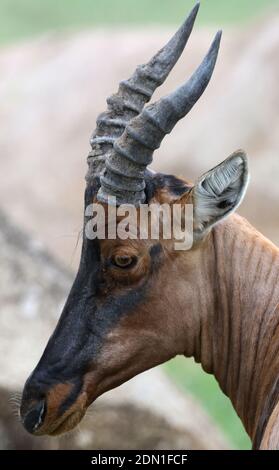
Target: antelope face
(127, 311)
(113, 327)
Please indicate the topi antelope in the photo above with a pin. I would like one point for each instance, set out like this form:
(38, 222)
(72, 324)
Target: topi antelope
(137, 303)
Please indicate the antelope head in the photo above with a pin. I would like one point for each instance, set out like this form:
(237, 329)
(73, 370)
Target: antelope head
(134, 302)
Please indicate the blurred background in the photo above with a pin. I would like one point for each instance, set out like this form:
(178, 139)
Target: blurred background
(58, 62)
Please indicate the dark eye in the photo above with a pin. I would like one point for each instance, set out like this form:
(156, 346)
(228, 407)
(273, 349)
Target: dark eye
(123, 261)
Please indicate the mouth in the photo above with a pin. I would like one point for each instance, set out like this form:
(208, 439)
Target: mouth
(61, 426)
(44, 417)
(69, 423)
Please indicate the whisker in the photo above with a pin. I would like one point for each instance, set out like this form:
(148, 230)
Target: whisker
(14, 402)
(14, 405)
(16, 395)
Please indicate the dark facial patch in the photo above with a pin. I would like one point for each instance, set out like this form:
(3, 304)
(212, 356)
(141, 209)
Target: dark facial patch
(82, 328)
(86, 319)
(155, 251)
(87, 316)
(71, 398)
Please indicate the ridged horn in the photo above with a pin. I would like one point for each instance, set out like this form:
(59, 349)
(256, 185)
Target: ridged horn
(133, 151)
(133, 94)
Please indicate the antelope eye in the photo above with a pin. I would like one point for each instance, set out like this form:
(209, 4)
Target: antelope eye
(123, 261)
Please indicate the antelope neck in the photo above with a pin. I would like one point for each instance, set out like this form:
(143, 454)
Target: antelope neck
(238, 315)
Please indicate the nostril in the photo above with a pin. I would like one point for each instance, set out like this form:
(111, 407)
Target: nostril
(34, 418)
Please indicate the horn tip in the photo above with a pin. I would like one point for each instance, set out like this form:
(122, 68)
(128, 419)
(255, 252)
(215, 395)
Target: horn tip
(194, 11)
(190, 19)
(218, 35)
(216, 42)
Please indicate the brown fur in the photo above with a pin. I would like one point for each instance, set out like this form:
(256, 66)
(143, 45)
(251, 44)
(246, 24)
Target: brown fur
(217, 302)
(54, 424)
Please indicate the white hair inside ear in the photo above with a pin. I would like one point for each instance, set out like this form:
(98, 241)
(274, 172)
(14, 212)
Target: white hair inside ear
(220, 191)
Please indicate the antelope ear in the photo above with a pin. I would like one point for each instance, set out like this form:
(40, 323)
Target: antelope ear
(220, 191)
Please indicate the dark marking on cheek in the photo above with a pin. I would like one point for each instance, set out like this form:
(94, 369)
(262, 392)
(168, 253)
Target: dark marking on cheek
(71, 398)
(155, 251)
